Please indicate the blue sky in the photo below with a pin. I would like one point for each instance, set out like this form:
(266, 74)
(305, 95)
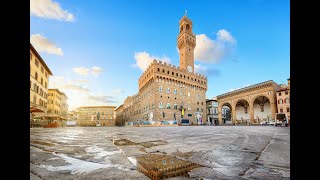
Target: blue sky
(97, 50)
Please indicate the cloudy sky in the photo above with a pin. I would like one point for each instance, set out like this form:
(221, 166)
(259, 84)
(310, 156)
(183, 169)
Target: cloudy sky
(97, 50)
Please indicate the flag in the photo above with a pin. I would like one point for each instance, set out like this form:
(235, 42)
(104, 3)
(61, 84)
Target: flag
(182, 112)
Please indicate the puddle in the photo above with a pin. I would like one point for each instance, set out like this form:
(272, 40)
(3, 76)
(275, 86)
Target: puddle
(148, 144)
(158, 166)
(42, 143)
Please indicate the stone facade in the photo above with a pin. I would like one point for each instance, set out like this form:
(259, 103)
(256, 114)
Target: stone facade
(212, 111)
(283, 100)
(119, 120)
(252, 100)
(167, 92)
(95, 116)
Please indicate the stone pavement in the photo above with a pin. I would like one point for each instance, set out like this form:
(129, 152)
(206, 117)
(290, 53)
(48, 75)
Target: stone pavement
(225, 152)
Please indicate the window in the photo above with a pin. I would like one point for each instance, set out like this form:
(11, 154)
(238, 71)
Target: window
(163, 115)
(36, 76)
(279, 94)
(286, 93)
(42, 70)
(172, 73)
(168, 72)
(198, 103)
(45, 85)
(168, 106)
(280, 101)
(174, 91)
(41, 81)
(46, 74)
(160, 89)
(164, 162)
(158, 69)
(197, 109)
(201, 109)
(168, 90)
(34, 99)
(188, 94)
(160, 105)
(36, 63)
(175, 106)
(163, 70)
(288, 109)
(34, 87)
(201, 103)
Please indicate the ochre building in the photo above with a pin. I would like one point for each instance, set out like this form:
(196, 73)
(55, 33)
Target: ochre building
(169, 92)
(39, 80)
(95, 116)
(57, 108)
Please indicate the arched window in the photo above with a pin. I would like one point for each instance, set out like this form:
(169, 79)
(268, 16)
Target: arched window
(158, 69)
(175, 106)
(160, 105)
(168, 90)
(174, 91)
(280, 101)
(36, 76)
(168, 106)
(163, 115)
(163, 70)
(160, 89)
(188, 27)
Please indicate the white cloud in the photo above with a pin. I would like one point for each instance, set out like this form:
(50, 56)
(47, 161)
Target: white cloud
(224, 35)
(198, 68)
(212, 51)
(96, 71)
(81, 70)
(42, 44)
(144, 59)
(80, 80)
(49, 9)
(75, 88)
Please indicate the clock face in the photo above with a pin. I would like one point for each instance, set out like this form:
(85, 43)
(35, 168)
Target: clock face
(189, 68)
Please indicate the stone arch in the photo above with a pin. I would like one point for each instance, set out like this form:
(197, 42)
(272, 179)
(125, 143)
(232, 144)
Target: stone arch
(261, 108)
(226, 115)
(242, 108)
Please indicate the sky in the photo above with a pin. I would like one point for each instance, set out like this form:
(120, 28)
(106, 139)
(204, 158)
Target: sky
(98, 49)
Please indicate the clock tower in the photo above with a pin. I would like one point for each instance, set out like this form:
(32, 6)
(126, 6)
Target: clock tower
(186, 44)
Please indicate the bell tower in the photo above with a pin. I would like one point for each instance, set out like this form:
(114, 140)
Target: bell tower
(186, 44)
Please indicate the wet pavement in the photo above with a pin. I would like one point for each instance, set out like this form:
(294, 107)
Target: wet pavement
(223, 152)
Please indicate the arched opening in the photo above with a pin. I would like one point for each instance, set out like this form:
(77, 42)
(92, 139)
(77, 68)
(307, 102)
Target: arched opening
(261, 109)
(226, 113)
(242, 111)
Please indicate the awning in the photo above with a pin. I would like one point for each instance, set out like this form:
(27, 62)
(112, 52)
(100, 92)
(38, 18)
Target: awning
(34, 109)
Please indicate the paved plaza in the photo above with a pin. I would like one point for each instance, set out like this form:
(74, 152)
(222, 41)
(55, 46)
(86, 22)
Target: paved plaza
(224, 152)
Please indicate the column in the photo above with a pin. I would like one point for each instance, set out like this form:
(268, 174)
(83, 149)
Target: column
(251, 113)
(220, 115)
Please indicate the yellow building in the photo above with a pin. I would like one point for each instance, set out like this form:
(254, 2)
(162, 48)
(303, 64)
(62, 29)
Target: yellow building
(119, 116)
(95, 116)
(57, 108)
(39, 80)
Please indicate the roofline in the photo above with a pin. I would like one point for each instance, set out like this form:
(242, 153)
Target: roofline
(57, 90)
(42, 61)
(248, 87)
(118, 107)
(284, 89)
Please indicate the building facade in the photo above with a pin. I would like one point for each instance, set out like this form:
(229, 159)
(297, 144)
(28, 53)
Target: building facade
(39, 80)
(167, 92)
(119, 120)
(57, 108)
(283, 100)
(249, 105)
(212, 111)
(95, 116)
